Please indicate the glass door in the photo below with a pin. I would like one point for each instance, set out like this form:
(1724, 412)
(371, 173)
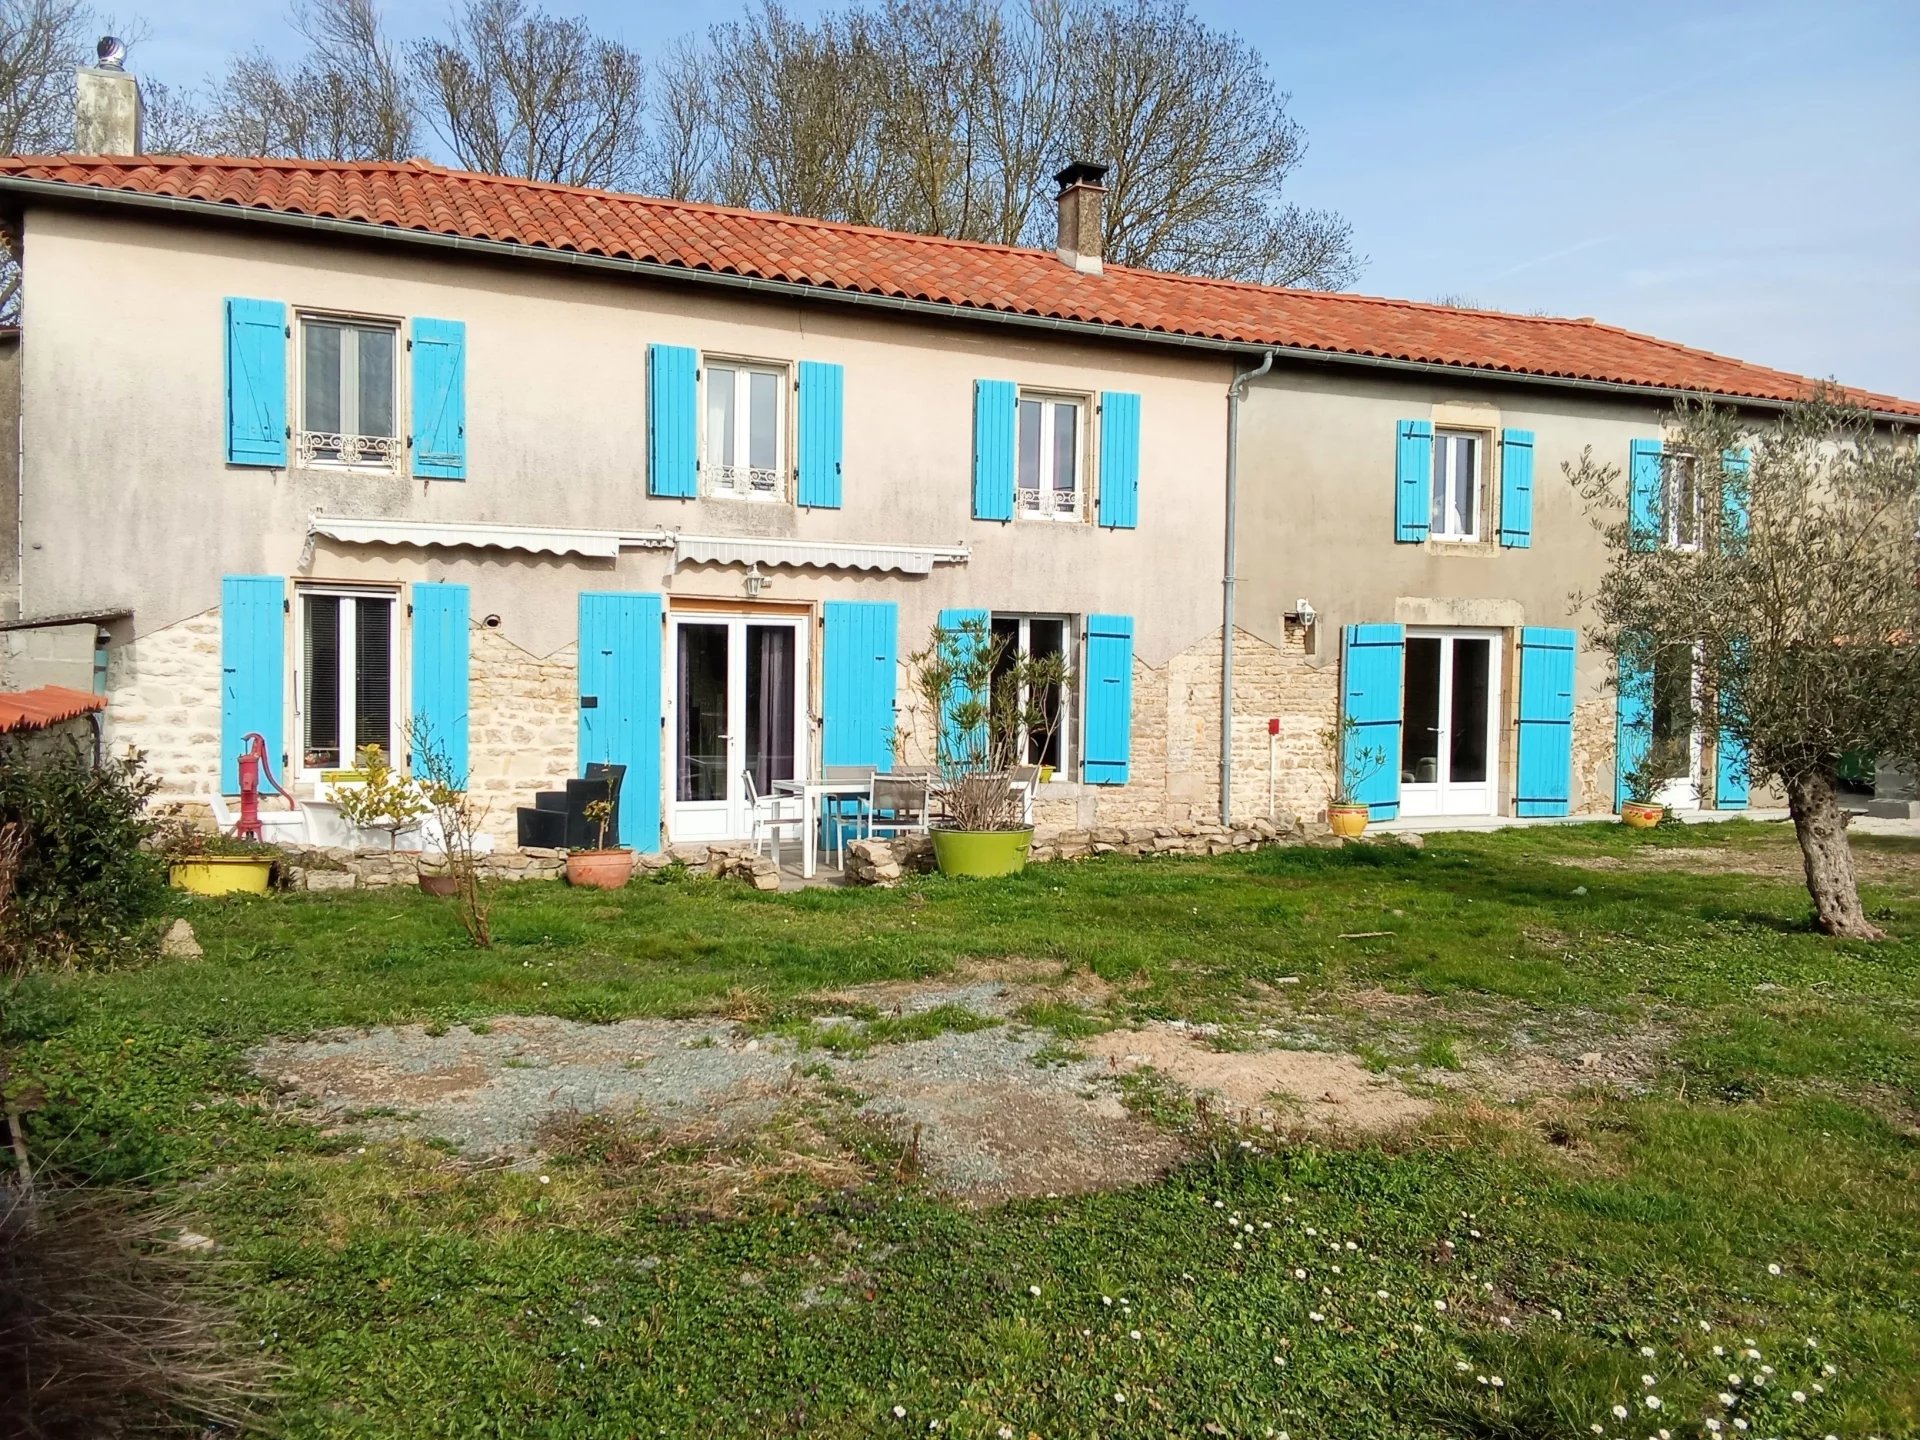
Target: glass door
(1676, 740)
(1450, 738)
(735, 704)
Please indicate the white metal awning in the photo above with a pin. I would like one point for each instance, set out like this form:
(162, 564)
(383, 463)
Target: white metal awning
(818, 554)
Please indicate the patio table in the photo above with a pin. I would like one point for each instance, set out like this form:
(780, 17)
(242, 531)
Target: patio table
(815, 793)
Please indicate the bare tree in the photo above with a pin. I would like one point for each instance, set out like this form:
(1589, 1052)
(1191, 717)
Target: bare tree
(40, 43)
(513, 90)
(1783, 557)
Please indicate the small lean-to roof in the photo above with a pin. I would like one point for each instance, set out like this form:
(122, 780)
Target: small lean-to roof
(495, 214)
(48, 705)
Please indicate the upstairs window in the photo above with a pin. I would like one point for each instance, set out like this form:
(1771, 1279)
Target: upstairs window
(348, 393)
(1456, 485)
(1037, 636)
(746, 431)
(1052, 436)
(1680, 502)
(346, 681)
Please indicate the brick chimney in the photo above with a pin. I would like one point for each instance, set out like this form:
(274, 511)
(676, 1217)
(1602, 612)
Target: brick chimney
(106, 117)
(1083, 205)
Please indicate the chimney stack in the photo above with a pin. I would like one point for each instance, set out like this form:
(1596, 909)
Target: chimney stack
(106, 119)
(1083, 203)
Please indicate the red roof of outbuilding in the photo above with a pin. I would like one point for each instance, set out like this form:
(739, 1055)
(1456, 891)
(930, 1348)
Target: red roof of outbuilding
(964, 274)
(48, 705)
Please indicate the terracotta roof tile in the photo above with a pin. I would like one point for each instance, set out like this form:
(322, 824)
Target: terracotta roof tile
(961, 273)
(48, 705)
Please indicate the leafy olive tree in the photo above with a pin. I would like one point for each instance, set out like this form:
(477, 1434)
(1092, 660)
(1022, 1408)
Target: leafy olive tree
(1783, 552)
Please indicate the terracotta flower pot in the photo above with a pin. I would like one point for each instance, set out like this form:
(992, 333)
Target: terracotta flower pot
(1349, 822)
(600, 869)
(1641, 814)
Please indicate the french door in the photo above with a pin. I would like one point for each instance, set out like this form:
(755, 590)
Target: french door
(1676, 743)
(736, 702)
(1450, 736)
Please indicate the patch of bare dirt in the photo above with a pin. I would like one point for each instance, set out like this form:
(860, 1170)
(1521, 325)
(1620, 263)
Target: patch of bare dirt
(1782, 863)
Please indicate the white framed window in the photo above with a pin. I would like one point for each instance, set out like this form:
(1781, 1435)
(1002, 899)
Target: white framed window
(1039, 636)
(345, 689)
(1680, 501)
(349, 393)
(746, 430)
(1052, 441)
(1457, 467)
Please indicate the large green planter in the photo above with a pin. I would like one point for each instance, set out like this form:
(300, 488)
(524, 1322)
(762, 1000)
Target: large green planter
(980, 853)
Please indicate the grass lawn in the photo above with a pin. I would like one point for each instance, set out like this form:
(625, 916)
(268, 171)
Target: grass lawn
(1513, 1267)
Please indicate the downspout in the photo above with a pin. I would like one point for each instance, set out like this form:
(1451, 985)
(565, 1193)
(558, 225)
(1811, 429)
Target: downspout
(1234, 393)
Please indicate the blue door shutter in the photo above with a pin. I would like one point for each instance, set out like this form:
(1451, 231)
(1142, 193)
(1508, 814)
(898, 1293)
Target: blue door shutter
(1645, 489)
(673, 421)
(1119, 460)
(1731, 785)
(859, 675)
(1516, 489)
(1545, 782)
(620, 711)
(822, 433)
(439, 399)
(953, 745)
(1413, 482)
(1375, 667)
(1633, 716)
(439, 701)
(1735, 466)
(1109, 727)
(253, 629)
(996, 406)
(256, 382)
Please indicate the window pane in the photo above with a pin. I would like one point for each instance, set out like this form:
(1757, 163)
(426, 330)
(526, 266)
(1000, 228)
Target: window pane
(1006, 642)
(1030, 446)
(320, 679)
(1466, 500)
(376, 383)
(1066, 447)
(764, 420)
(719, 416)
(1672, 744)
(703, 713)
(372, 673)
(1442, 469)
(1467, 748)
(320, 408)
(1048, 638)
(1420, 741)
(1683, 501)
(770, 684)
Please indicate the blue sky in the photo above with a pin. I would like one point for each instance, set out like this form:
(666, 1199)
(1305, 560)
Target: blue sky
(1743, 177)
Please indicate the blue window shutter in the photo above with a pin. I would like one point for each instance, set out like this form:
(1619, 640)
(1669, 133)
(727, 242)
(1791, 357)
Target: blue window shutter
(1633, 715)
(439, 399)
(996, 405)
(859, 675)
(1516, 489)
(1646, 485)
(1732, 786)
(1413, 481)
(1375, 669)
(256, 382)
(1109, 688)
(1119, 460)
(1545, 783)
(673, 421)
(253, 638)
(822, 433)
(439, 700)
(1736, 467)
(620, 705)
(951, 742)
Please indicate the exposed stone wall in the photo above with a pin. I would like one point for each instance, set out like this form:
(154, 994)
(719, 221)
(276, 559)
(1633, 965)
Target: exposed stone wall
(163, 694)
(523, 722)
(884, 862)
(1593, 747)
(1283, 683)
(330, 868)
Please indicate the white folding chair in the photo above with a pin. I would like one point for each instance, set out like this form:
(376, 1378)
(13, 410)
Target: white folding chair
(897, 805)
(772, 816)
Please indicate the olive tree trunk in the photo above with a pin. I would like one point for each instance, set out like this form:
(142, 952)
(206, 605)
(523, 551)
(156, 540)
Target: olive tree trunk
(1821, 827)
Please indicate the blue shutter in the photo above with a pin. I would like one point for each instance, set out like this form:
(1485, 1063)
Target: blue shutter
(1516, 489)
(256, 382)
(1109, 726)
(1119, 460)
(1732, 786)
(822, 432)
(620, 711)
(951, 742)
(996, 405)
(859, 674)
(1545, 784)
(1736, 466)
(673, 421)
(439, 398)
(1413, 481)
(253, 630)
(439, 700)
(1376, 665)
(1633, 715)
(1646, 485)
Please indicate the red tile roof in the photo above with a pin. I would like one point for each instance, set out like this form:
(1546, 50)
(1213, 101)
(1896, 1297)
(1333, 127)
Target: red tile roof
(48, 705)
(964, 274)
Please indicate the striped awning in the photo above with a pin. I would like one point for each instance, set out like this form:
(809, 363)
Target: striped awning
(814, 554)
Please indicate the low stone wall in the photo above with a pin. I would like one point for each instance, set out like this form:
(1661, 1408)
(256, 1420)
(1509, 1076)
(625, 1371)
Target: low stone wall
(337, 869)
(884, 862)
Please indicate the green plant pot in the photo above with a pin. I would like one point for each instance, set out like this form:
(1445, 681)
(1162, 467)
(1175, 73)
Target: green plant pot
(981, 853)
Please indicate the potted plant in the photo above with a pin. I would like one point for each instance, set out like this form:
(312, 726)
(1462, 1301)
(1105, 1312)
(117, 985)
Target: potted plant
(989, 702)
(204, 862)
(605, 867)
(379, 797)
(1352, 765)
(1641, 810)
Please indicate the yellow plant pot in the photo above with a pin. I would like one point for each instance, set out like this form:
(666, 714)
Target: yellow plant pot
(1640, 815)
(980, 854)
(1349, 822)
(222, 874)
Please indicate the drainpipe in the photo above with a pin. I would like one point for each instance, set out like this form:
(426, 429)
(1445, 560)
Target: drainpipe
(1234, 393)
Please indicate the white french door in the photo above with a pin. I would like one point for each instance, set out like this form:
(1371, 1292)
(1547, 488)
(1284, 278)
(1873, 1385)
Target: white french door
(1676, 742)
(736, 701)
(1450, 723)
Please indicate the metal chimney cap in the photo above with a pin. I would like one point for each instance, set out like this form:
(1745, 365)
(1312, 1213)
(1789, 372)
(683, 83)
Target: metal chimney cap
(112, 52)
(1080, 172)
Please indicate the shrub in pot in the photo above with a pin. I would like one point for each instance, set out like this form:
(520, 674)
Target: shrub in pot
(1352, 765)
(381, 797)
(1642, 810)
(990, 704)
(604, 867)
(203, 862)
